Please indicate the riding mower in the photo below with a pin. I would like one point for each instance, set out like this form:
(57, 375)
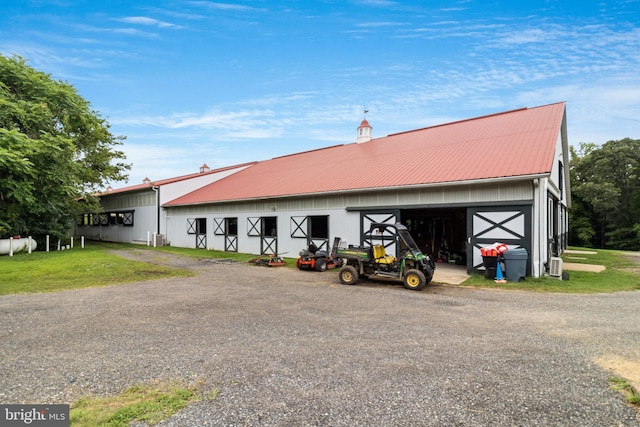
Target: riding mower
(311, 258)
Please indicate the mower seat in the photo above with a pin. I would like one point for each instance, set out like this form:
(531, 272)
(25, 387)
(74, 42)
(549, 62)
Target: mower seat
(380, 256)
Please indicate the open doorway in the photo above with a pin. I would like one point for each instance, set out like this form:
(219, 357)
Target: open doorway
(439, 232)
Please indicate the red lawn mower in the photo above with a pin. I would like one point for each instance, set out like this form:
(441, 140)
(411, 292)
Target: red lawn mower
(313, 259)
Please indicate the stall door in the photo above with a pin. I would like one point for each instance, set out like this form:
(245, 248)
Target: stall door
(198, 227)
(268, 235)
(386, 238)
(315, 229)
(507, 224)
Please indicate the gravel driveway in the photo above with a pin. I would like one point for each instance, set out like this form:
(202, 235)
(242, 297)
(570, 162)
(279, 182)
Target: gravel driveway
(287, 347)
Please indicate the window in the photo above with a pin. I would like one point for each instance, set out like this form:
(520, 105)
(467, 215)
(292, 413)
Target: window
(270, 226)
(561, 179)
(319, 227)
(100, 219)
(196, 226)
(232, 226)
(201, 226)
(119, 218)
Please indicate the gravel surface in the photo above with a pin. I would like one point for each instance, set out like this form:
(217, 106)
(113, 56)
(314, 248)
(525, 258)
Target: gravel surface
(288, 347)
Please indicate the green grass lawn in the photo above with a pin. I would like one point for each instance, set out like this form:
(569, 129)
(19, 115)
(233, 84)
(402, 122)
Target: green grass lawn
(75, 268)
(622, 273)
(95, 266)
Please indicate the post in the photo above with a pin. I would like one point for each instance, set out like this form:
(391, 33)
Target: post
(58, 244)
(154, 239)
(148, 238)
(47, 243)
(11, 246)
(29, 243)
(71, 242)
(82, 242)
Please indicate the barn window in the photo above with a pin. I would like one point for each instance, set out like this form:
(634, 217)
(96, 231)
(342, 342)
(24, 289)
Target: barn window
(196, 226)
(319, 227)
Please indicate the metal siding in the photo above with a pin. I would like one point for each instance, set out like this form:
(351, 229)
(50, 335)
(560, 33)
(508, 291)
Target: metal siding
(144, 222)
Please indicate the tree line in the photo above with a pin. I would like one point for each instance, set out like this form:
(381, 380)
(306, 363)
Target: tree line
(605, 191)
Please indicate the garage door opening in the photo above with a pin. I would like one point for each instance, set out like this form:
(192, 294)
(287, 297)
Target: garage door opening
(439, 232)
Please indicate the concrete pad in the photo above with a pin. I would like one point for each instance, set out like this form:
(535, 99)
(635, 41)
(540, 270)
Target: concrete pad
(574, 251)
(450, 274)
(583, 267)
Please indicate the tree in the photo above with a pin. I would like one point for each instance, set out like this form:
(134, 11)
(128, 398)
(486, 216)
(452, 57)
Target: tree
(605, 184)
(55, 151)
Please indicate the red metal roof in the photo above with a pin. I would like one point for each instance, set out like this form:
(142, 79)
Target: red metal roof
(510, 144)
(148, 184)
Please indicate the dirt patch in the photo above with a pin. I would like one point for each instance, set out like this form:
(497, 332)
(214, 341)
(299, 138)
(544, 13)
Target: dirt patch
(623, 368)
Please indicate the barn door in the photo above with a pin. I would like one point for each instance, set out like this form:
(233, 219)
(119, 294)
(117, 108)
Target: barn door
(315, 229)
(268, 235)
(198, 227)
(386, 238)
(231, 235)
(507, 224)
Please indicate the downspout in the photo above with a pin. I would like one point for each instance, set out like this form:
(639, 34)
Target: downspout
(536, 228)
(157, 190)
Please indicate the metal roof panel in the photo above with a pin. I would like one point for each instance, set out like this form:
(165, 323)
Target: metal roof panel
(514, 143)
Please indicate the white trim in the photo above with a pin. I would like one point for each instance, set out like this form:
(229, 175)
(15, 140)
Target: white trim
(376, 189)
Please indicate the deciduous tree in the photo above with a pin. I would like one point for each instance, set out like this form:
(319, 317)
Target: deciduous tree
(605, 183)
(54, 151)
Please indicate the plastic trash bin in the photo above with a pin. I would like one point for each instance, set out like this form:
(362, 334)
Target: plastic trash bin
(515, 264)
(490, 266)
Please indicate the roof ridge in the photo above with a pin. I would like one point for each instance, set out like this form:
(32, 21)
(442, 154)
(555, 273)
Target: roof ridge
(460, 121)
(307, 151)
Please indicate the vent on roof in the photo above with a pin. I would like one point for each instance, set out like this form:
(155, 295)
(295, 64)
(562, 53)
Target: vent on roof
(146, 180)
(204, 168)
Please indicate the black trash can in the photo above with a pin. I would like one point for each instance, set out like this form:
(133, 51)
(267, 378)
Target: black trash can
(490, 266)
(515, 264)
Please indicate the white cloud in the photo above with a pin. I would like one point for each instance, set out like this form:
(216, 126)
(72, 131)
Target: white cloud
(143, 20)
(225, 6)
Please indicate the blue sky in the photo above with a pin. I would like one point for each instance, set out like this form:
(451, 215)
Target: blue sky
(193, 82)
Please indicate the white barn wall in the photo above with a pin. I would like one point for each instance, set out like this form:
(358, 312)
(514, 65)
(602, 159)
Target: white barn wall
(342, 223)
(142, 203)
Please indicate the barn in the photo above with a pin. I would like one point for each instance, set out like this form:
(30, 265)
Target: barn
(457, 186)
(132, 214)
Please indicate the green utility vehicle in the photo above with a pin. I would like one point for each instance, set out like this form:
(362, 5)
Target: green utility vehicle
(414, 268)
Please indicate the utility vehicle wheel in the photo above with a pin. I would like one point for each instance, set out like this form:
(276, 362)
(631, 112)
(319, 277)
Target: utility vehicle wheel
(348, 275)
(414, 279)
(321, 264)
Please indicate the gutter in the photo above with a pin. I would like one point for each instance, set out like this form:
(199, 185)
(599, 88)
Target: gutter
(375, 189)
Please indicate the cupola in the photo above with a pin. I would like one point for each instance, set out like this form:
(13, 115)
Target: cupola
(364, 132)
